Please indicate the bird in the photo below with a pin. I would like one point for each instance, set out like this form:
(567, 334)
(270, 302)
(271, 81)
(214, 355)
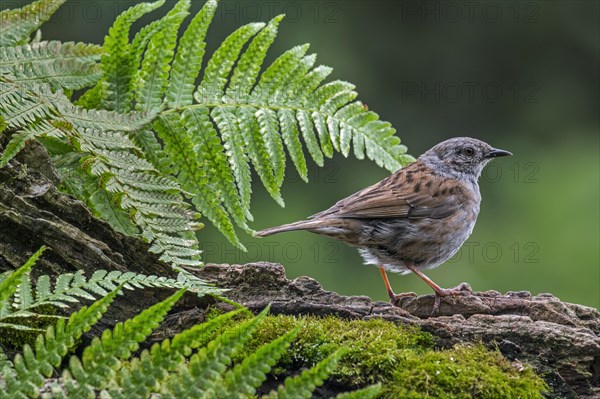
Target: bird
(416, 218)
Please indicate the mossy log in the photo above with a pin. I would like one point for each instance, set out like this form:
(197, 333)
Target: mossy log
(561, 340)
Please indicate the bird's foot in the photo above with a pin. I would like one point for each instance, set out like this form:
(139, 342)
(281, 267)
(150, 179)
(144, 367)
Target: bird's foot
(463, 289)
(396, 298)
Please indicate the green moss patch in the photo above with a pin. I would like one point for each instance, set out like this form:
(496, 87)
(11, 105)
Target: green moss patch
(402, 358)
(462, 372)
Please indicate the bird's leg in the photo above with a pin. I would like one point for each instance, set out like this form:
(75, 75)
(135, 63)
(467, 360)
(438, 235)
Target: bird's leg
(388, 287)
(461, 289)
(393, 297)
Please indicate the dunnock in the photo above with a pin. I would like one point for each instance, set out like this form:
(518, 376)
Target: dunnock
(414, 219)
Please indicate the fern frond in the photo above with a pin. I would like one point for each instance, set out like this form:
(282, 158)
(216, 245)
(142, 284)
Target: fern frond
(212, 88)
(290, 134)
(209, 148)
(20, 107)
(269, 129)
(4, 362)
(157, 219)
(33, 365)
(327, 115)
(17, 142)
(189, 143)
(154, 74)
(252, 371)
(206, 366)
(369, 392)
(152, 149)
(63, 65)
(140, 379)
(292, 88)
(19, 300)
(63, 73)
(257, 152)
(187, 63)
(118, 66)
(233, 141)
(103, 357)
(303, 385)
(75, 181)
(16, 25)
(9, 284)
(192, 174)
(72, 287)
(244, 75)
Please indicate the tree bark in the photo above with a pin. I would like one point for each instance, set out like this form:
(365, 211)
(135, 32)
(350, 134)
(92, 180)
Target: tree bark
(561, 340)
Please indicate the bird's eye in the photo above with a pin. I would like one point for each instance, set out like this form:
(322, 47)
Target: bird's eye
(468, 151)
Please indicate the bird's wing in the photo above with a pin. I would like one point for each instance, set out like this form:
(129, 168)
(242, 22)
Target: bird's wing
(422, 196)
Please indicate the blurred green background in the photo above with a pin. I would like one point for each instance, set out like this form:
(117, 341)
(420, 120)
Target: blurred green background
(523, 76)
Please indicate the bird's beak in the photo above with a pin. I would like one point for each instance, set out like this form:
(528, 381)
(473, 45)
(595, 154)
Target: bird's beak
(495, 152)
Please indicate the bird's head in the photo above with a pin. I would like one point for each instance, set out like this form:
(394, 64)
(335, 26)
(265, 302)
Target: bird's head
(461, 157)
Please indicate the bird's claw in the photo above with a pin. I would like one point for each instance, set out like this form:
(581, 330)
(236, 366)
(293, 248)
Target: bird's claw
(463, 289)
(395, 300)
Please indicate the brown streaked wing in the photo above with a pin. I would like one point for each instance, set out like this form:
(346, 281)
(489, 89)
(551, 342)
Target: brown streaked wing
(395, 197)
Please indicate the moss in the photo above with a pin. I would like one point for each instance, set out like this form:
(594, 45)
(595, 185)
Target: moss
(462, 372)
(403, 358)
(40, 320)
(213, 312)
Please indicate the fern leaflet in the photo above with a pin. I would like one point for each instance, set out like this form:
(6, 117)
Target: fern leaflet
(17, 25)
(301, 386)
(102, 358)
(33, 365)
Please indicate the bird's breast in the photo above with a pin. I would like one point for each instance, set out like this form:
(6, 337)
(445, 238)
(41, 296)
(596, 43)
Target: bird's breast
(423, 242)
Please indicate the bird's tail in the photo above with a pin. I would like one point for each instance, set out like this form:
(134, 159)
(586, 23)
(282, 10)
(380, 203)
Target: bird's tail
(301, 225)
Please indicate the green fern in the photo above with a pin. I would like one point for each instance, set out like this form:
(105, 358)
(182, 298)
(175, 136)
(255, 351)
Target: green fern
(107, 368)
(149, 139)
(75, 181)
(205, 367)
(255, 114)
(21, 298)
(252, 371)
(103, 357)
(369, 392)
(146, 374)
(4, 362)
(63, 65)
(186, 65)
(301, 386)
(118, 61)
(154, 73)
(125, 188)
(17, 25)
(154, 201)
(26, 376)
(10, 282)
